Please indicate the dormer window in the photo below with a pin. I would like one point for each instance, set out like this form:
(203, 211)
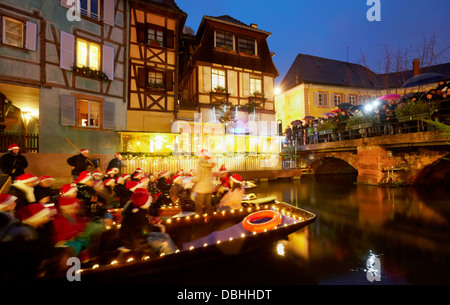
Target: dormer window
(247, 45)
(224, 40)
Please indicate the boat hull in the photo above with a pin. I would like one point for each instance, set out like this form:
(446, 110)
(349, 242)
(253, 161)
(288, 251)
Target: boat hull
(189, 234)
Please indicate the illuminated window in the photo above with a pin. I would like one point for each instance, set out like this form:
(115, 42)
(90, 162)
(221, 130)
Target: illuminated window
(155, 37)
(255, 84)
(218, 78)
(90, 8)
(224, 40)
(88, 54)
(155, 80)
(247, 45)
(12, 32)
(89, 113)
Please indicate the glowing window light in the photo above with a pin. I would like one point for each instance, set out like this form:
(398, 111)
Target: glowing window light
(82, 57)
(88, 54)
(94, 56)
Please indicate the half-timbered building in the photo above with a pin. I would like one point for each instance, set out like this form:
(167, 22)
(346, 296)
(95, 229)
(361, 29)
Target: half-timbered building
(228, 76)
(64, 63)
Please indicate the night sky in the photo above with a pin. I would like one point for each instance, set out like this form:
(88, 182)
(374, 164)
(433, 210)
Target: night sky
(336, 29)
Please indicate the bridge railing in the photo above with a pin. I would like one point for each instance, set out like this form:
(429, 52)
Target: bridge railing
(395, 126)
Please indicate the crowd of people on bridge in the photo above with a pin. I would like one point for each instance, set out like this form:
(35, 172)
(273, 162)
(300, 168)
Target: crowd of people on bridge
(42, 225)
(382, 113)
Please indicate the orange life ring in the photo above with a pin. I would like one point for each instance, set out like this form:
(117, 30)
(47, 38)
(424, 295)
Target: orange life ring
(275, 220)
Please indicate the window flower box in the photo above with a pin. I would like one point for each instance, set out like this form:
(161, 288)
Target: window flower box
(90, 73)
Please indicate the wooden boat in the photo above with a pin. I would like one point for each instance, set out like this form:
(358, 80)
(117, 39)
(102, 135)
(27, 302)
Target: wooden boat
(200, 239)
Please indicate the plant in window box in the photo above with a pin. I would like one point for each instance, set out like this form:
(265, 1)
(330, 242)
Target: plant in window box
(88, 72)
(257, 94)
(155, 43)
(156, 85)
(220, 89)
(247, 52)
(225, 47)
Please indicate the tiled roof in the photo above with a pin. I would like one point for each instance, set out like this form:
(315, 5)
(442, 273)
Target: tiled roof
(318, 70)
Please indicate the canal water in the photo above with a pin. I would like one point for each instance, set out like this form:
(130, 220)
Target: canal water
(403, 232)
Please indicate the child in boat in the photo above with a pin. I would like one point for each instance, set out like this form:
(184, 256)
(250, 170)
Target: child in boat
(137, 233)
(233, 198)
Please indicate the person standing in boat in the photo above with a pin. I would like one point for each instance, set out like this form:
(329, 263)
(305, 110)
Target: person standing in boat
(203, 183)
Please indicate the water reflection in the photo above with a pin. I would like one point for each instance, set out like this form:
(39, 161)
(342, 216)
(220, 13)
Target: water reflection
(407, 228)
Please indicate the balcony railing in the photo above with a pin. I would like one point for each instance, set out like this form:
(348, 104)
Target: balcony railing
(27, 142)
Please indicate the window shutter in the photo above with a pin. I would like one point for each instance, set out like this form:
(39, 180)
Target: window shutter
(316, 98)
(141, 32)
(67, 50)
(109, 111)
(67, 3)
(231, 80)
(268, 88)
(332, 102)
(31, 30)
(246, 84)
(325, 99)
(169, 41)
(207, 86)
(108, 61)
(108, 12)
(169, 81)
(141, 78)
(67, 110)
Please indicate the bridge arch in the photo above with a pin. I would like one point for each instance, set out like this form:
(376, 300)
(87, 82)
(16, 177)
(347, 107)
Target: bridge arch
(438, 171)
(332, 166)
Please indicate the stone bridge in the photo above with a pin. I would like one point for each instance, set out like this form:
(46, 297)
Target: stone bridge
(407, 159)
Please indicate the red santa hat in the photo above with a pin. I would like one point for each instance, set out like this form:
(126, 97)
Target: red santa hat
(66, 201)
(126, 176)
(33, 212)
(134, 186)
(117, 155)
(13, 146)
(68, 189)
(141, 200)
(96, 173)
(205, 153)
(236, 178)
(144, 180)
(5, 200)
(223, 169)
(110, 171)
(109, 182)
(26, 178)
(84, 150)
(46, 178)
(83, 178)
(178, 179)
(139, 170)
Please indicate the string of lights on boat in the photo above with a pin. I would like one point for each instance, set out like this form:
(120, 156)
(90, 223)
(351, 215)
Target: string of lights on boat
(206, 218)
